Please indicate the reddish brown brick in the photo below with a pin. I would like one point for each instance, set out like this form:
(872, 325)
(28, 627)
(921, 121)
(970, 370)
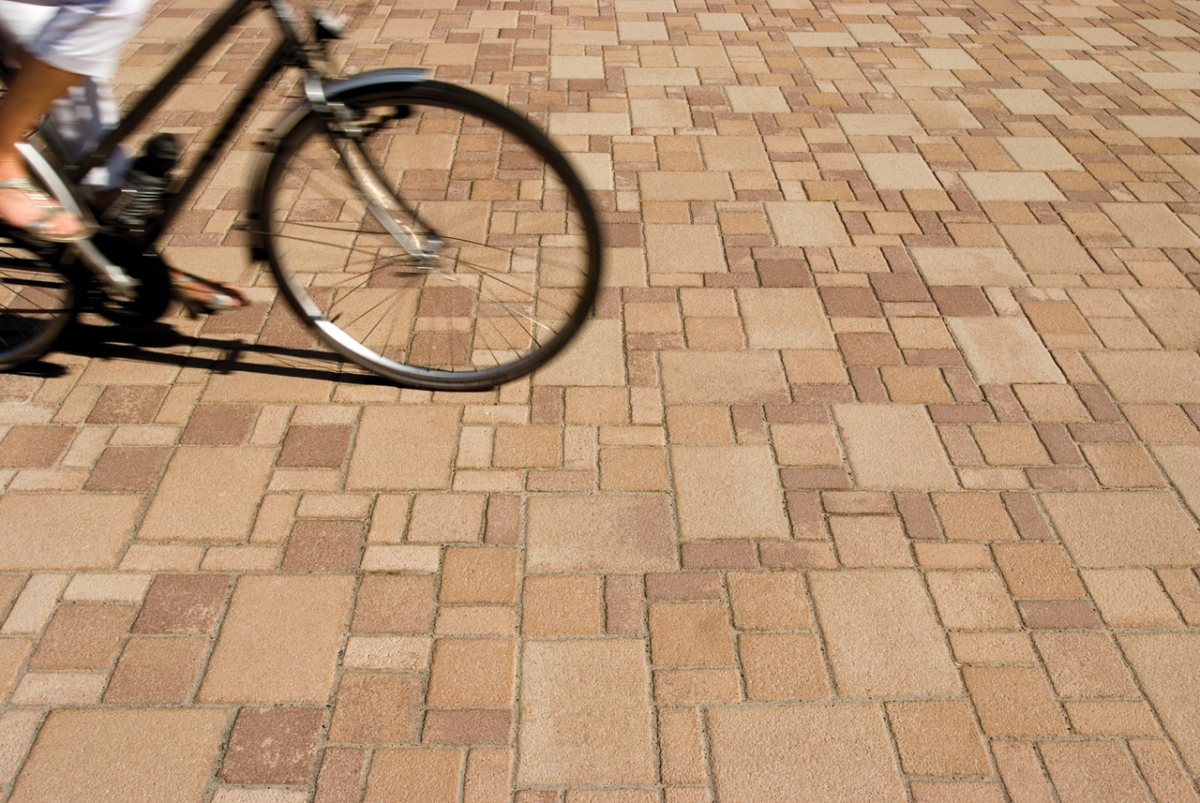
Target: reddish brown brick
(503, 519)
(341, 777)
(82, 637)
(868, 348)
(917, 512)
(1051, 614)
(961, 302)
(34, 447)
(127, 469)
(623, 603)
(157, 670)
(127, 404)
(219, 424)
(467, 726)
(719, 555)
(394, 604)
(322, 446)
(182, 603)
(272, 745)
(681, 586)
(320, 545)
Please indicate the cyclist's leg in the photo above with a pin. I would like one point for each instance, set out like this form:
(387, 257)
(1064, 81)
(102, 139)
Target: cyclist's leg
(33, 89)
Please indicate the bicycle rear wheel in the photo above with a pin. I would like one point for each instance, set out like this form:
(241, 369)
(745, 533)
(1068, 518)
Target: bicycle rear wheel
(519, 260)
(36, 304)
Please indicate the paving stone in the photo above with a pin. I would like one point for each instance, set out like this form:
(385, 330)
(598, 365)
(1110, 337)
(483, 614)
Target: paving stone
(183, 508)
(574, 692)
(590, 533)
(882, 643)
(796, 752)
(420, 439)
(138, 755)
(1106, 529)
(1166, 665)
(1003, 350)
(279, 641)
(727, 492)
(893, 446)
(76, 531)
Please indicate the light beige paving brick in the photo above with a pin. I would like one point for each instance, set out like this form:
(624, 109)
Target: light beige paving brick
(1105, 529)
(66, 531)
(1166, 664)
(608, 533)
(723, 377)
(806, 223)
(1148, 225)
(595, 729)
(280, 640)
(881, 634)
(727, 492)
(594, 358)
(1048, 249)
(784, 318)
(969, 267)
(684, 248)
(899, 171)
(403, 448)
(1004, 350)
(1149, 377)
(893, 446)
(137, 755)
(834, 752)
(1130, 598)
(1092, 771)
(183, 510)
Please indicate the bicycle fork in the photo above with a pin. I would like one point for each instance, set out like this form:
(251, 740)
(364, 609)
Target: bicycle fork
(423, 246)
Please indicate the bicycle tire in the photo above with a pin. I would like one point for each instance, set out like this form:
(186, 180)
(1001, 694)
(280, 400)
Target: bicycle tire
(37, 301)
(522, 259)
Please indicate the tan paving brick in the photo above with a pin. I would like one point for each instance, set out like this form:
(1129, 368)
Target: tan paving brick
(76, 531)
(787, 747)
(882, 643)
(279, 640)
(727, 492)
(627, 533)
(558, 737)
(121, 754)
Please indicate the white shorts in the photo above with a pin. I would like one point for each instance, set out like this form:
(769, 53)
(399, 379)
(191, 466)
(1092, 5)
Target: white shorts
(84, 37)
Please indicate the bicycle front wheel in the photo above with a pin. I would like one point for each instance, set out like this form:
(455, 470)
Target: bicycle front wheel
(513, 254)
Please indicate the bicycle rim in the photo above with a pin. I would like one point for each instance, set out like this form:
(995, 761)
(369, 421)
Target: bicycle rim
(519, 264)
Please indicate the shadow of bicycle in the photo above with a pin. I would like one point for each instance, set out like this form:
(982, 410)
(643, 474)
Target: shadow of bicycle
(161, 344)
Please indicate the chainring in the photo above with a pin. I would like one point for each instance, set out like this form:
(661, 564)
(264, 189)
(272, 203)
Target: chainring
(143, 264)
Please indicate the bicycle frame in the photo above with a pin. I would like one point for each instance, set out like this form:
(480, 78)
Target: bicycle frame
(288, 52)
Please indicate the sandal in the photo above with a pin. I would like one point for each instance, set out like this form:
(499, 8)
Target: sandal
(38, 197)
(202, 296)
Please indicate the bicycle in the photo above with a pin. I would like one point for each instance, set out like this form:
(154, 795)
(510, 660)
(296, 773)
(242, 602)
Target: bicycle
(421, 230)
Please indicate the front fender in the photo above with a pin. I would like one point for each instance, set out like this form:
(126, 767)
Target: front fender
(270, 145)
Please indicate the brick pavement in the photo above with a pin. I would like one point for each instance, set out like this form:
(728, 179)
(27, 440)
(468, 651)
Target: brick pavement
(875, 478)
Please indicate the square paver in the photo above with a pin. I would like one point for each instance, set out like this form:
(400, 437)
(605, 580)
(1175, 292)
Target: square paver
(587, 715)
(837, 753)
(1004, 350)
(727, 492)
(881, 634)
(893, 446)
